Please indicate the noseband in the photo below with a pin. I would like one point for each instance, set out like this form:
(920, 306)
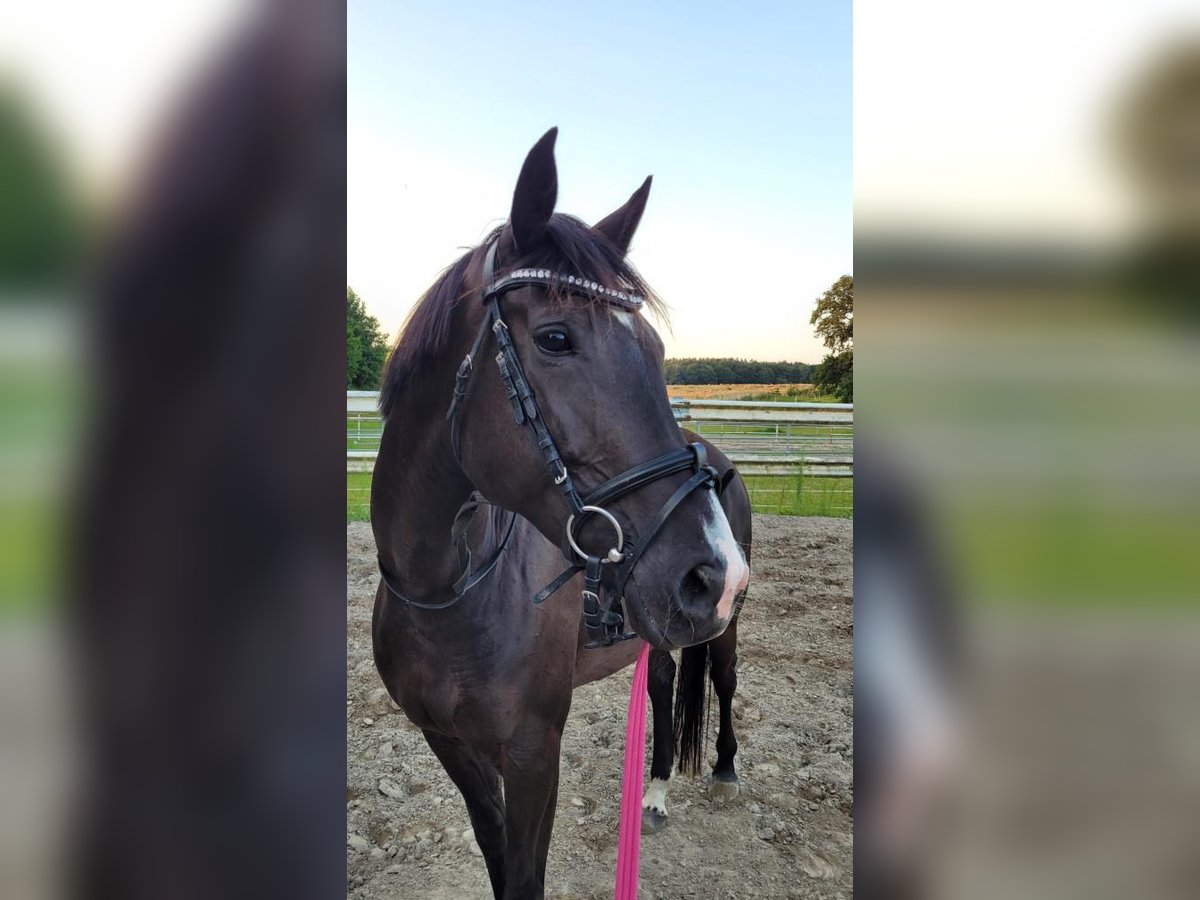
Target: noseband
(603, 616)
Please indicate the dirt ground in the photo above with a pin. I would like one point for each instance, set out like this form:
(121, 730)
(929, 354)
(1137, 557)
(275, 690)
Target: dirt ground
(788, 834)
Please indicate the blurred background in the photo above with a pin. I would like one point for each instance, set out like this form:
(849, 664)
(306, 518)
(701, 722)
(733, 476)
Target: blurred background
(172, 229)
(1027, 253)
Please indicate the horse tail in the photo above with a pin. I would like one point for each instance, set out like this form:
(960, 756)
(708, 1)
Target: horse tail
(691, 707)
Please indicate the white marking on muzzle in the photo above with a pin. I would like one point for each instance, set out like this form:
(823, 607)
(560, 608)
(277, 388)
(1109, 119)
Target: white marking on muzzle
(737, 573)
(656, 796)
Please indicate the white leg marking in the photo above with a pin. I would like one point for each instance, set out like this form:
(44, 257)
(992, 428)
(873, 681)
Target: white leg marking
(656, 796)
(737, 573)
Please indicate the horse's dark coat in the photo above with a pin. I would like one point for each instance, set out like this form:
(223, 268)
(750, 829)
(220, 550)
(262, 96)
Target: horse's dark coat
(489, 680)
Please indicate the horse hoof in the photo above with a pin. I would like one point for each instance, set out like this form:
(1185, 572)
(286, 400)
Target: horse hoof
(724, 790)
(653, 820)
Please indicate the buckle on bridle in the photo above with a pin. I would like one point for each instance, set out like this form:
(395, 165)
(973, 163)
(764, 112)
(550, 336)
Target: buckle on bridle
(562, 476)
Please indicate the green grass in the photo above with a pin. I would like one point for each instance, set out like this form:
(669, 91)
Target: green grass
(795, 495)
(39, 406)
(358, 496)
(791, 495)
(30, 545)
(1063, 558)
(363, 433)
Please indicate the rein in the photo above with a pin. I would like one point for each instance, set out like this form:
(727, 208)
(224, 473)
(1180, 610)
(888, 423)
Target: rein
(603, 615)
(629, 831)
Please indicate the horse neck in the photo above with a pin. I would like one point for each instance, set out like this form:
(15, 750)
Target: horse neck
(419, 489)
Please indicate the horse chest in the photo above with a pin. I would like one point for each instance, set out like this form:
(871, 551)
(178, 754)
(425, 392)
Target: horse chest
(461, 690)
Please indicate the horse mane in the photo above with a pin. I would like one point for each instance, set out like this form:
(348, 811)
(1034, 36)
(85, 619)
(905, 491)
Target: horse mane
(570, 245)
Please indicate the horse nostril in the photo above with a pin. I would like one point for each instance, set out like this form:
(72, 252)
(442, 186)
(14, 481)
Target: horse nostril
(702, 585)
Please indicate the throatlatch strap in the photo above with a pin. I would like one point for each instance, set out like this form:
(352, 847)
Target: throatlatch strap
(468, 579)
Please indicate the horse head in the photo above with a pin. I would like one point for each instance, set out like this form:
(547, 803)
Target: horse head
(570, 354)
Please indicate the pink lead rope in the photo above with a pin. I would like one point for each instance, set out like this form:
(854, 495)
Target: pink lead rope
(630, 840)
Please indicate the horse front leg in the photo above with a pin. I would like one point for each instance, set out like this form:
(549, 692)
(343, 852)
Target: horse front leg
(479, 782)
(530, 767)
(661, 688)
(724, 680)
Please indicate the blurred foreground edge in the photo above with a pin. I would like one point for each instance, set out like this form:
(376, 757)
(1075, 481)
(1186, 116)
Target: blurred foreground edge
(207, 587)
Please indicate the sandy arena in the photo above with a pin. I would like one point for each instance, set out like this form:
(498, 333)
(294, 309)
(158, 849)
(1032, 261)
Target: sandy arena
(788, 834)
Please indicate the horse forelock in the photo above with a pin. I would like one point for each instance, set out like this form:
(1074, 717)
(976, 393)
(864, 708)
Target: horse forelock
(570, 245)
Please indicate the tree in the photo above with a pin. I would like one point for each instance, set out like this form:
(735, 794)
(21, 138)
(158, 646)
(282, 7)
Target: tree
(834, 315)
(835, 375)
(833, 319)
(43, 225)
(366, 347)
(1156, 139)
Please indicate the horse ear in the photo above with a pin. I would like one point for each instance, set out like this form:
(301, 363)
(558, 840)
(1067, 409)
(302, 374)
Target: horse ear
(535, 195)
(619, 226)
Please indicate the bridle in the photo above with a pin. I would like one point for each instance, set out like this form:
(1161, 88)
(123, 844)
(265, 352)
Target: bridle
(603, 617)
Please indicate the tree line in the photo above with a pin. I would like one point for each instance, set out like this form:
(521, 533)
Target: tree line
(692, 370)
(833, 320)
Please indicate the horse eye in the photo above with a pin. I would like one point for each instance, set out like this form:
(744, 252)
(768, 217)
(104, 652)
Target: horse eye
(555, 340)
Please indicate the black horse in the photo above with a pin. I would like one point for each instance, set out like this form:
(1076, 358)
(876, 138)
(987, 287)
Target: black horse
(526, 420)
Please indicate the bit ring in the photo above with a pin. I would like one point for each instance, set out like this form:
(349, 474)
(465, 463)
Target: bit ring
(614, 555)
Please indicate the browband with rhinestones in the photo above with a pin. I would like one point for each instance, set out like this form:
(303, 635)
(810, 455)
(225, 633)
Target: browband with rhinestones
(572, 283)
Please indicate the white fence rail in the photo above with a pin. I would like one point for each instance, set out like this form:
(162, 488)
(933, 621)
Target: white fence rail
(762, 438)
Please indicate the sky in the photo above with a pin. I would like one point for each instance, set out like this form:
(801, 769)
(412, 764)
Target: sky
(103, 121)
(742, 113)
(1021, 99)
